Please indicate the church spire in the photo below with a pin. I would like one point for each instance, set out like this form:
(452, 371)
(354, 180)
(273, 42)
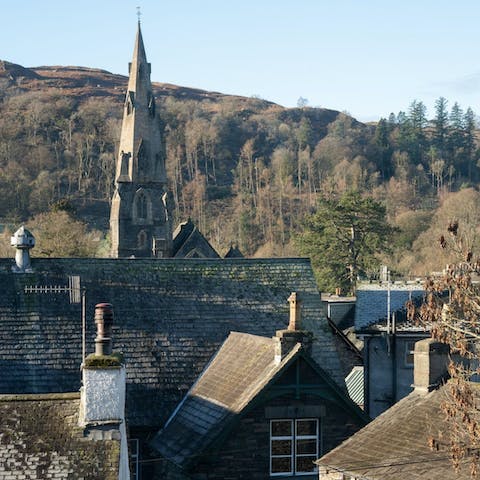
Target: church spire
(139, 63)
(139, 219)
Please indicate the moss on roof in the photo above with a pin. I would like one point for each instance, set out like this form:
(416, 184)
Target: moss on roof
(41, 438)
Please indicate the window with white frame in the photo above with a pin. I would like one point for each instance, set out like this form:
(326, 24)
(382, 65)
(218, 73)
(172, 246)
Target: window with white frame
(293, 446)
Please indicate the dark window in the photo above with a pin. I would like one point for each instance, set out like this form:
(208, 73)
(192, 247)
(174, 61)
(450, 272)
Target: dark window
(409, 353)
(293, 446)
(142, 211)
(134, 460)
(142, 239)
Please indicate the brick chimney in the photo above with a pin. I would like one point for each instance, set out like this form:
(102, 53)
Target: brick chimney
(431, 359)
(287, 339)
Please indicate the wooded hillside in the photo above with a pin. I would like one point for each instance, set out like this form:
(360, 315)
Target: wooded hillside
(247, 171)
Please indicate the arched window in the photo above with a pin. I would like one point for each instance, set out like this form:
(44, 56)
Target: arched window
(142, 206)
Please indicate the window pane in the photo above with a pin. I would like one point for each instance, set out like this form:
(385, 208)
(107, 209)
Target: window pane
(281, 465)
(307, 446)
(306, 427)
(282, 447)
(281, 428)
(305, 464)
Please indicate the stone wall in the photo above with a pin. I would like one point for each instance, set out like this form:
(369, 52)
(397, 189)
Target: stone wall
(245, 450)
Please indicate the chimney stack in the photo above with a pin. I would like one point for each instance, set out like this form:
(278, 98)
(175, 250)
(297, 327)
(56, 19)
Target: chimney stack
(431, 359)
(104, 322)
(102, 396)
(287, 339)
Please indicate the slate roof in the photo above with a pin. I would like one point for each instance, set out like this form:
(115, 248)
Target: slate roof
(40, 438)
(371, 305)
(188, 240)
(395, 445)
(238, 372)
(171, 316)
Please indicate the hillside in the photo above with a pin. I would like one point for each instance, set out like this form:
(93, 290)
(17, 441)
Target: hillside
(246, 170)
(42, 100)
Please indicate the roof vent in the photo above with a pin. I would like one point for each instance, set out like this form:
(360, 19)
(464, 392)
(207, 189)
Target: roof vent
(23, 241)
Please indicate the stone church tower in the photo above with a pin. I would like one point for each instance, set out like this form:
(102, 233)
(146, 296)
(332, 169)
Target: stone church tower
(140, 221)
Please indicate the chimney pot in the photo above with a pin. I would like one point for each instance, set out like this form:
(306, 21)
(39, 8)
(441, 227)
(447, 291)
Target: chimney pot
(295, 312)
(104, 322)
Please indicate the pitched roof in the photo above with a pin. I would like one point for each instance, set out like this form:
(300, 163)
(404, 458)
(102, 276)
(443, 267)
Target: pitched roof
(372, 304)
(395, 445)
(240, 369)
(171, 316)
(188, 240)
(40, 438)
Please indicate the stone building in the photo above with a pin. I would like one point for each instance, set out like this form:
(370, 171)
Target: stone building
(172, 317)
(174, 324)
(70, 434)
(262, 407)
(140, 221)
(389, 338)
(409, 440)
(140, 216)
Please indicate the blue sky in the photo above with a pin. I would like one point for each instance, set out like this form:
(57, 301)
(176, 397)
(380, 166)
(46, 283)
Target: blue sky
(367, 57)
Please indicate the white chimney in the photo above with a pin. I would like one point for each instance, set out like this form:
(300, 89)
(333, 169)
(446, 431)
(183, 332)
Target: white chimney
(102, 399)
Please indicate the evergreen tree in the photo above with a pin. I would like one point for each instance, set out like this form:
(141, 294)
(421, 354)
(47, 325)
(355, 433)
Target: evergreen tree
(343, 238)
(440, 122)
(382, 142)
(456, 131)
(469, 141)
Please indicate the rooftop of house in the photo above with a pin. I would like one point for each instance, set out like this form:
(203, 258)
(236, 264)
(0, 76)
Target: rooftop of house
(372, 305)
(244, 364)
(397, 444)
(40, 438)
(244, 367)
(171, 316)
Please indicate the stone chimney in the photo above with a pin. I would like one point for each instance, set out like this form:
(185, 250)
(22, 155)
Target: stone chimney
(431, 359)
(23, 241)
(102, 396)
(287, 339)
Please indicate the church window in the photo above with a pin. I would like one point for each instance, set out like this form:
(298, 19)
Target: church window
(142, 207)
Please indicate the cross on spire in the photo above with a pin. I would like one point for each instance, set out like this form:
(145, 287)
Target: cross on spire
(139, 14)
